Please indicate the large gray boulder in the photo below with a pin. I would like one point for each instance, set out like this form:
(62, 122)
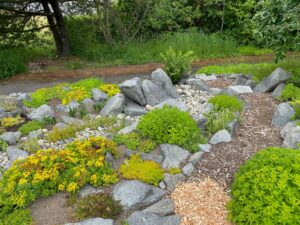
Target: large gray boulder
(71, 120)
(198, 84)
(94, 221)
(283, 114)
(272, 81)
(278, 91)
(220, 137)
(172, 180)
(133, 89)
(173, 103)
(11, 137)
(160, 77)
(136, 194)
(174, 156)
(164, 207)
(88, 105)
(148, 218)
(133, 109)
(114, 106)
(154, 94)
(14, 153)
(98, 95)
(42, 112)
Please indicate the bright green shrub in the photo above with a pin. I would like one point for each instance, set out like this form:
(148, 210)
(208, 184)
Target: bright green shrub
(296, 106)
(170, 125)
(266, 190)
(290, 93)
(31, 145)
(177, 63)
(17, 217)
(222, 102)
(3, 145)
(138, 169)
(218, 120)
(61, 134)
(87, 84)
(30, 126)
(97, 205)
(49, 171)
(134, 141)
(295, 79)
(174, 171)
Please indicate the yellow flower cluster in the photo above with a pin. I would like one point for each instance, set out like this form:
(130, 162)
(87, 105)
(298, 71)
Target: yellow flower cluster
(49, 171)
(110, 89)
(76, 94)
(11, 121)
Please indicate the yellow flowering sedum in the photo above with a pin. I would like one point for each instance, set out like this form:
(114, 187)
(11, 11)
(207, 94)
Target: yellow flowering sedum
(76, 94)
(11, 121)
(110, 89)
(49, 171)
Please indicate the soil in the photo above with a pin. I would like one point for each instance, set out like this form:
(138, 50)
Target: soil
(220, 83)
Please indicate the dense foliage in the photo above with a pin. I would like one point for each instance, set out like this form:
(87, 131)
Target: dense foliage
(223, 102)
(266, 190)
(290, 93)
(170, 125)
(30, 126)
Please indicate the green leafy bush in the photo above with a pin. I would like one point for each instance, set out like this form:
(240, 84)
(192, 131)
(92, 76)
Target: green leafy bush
(177, 63)
(296, 106)
(218, 120)
(170, 125)
(17, 217)
(290, 93)
(97, 205)
(61, 134)
(30, 126)
(222, 102)
(134, 141)
(295, 79)
(138, 169)
(3, 145)
(266, 190)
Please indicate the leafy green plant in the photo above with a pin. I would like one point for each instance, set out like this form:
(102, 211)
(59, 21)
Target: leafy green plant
(218, 120)
(97, 205)
(99, 105)
(134, 141)
(48, 121)
(170, 125)
(174, 171)
(296, 106)
(290, 93)
(82, 112)
(3, 145)
(295, 79)
(146, 171)
(17, 217)
(266, 189)
(222, 102)
(61, 134)
(177, 63)
(31, 145)
(30, 126)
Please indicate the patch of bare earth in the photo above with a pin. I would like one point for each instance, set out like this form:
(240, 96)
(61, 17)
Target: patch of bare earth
(222, 82)
(201, 203)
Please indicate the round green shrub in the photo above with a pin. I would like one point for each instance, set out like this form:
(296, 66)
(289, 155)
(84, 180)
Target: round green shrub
(266, 189)
(170, 125)
(222, 102)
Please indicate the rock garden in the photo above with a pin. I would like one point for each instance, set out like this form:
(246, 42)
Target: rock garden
(205, 149)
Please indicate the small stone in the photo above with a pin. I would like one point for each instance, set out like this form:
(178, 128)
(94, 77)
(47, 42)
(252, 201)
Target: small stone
(195, 158)
(188, 169)
(128, 129)
(172, 180)
(89, 190)
(148, 218)
(220, 137)
(162, 185)
(88, 105)
(35, 133)
(238, 90)
(94, 221)
(204, 147)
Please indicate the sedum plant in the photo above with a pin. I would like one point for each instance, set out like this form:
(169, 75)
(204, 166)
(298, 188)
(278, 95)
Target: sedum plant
(7, 122)
(30, 126)
(266, 190)
(177, 63)
(290, 93)
(222, 102)
(110, 89)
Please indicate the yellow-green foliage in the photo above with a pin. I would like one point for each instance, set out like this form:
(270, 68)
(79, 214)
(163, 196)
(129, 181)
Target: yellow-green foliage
(76, 94)
(290, 93)
(8, 104)
(174, 171)
(18, 217)
(223, 102)
(110, 89)
(31, 145)
(296, 106)
(7, 122)
(30, 126)
(146, 171)
(61, 134)
(49, 171)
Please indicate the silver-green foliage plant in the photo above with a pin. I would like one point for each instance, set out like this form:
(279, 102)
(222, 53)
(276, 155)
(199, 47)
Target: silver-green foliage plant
(177, 63)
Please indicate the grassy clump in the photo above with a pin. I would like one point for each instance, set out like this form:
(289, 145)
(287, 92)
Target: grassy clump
(218, 120)
(3, 145)
(170, 125)
(61, 134)
(250, 50)
(266, 189)
(259, 70)
(134, 141)
(7, 122)
(97, 205)
(138, 169)
(222, 102)
(31, 145)
(49, 171)
(30, 126)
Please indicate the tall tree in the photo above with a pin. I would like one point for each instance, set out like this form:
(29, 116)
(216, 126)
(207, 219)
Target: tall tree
(19, 17)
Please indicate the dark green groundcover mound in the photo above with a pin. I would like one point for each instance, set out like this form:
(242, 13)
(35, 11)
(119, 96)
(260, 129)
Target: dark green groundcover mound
(266, 190)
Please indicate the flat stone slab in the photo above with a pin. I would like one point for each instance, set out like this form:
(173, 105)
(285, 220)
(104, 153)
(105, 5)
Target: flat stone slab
(11, 137)
(148, 218)
(14, 153)
(94, 221)
(136, 194)
(205, 77)
(238, 90)
(164, 207)
(173, 156)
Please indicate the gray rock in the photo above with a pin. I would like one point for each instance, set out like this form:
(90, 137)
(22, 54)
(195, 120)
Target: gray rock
(129, 129)
(89, 190)
(73, 105)
(110, 159)
(62, 109)
(23, 96)
(135, 194)
(11, 137)
(207, 108)
(204, 147)
(35, 134)
(173, 156)
(173, 103)
(114, 106)
(278, 90)
(94, 221)
(162, 185)
(272, 81)
(195, 158)
(200, 120)
(133, 89)
(161, 78)
(172, 180)
(220, 137)
(14, 153)
(145, 156)
(88, 104)
(283, 114)
(198, 84)
(188, 169)
(133, 109)
(238, 90)
(153, 93)
(288, 127)
(42, 112)
(205, 77)
(292, 138)
(216, 91)
(148, 218)
(60, 125)
(245, 81)
(71, 120)
(232, 126)
(164, 207)
(99, 96)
